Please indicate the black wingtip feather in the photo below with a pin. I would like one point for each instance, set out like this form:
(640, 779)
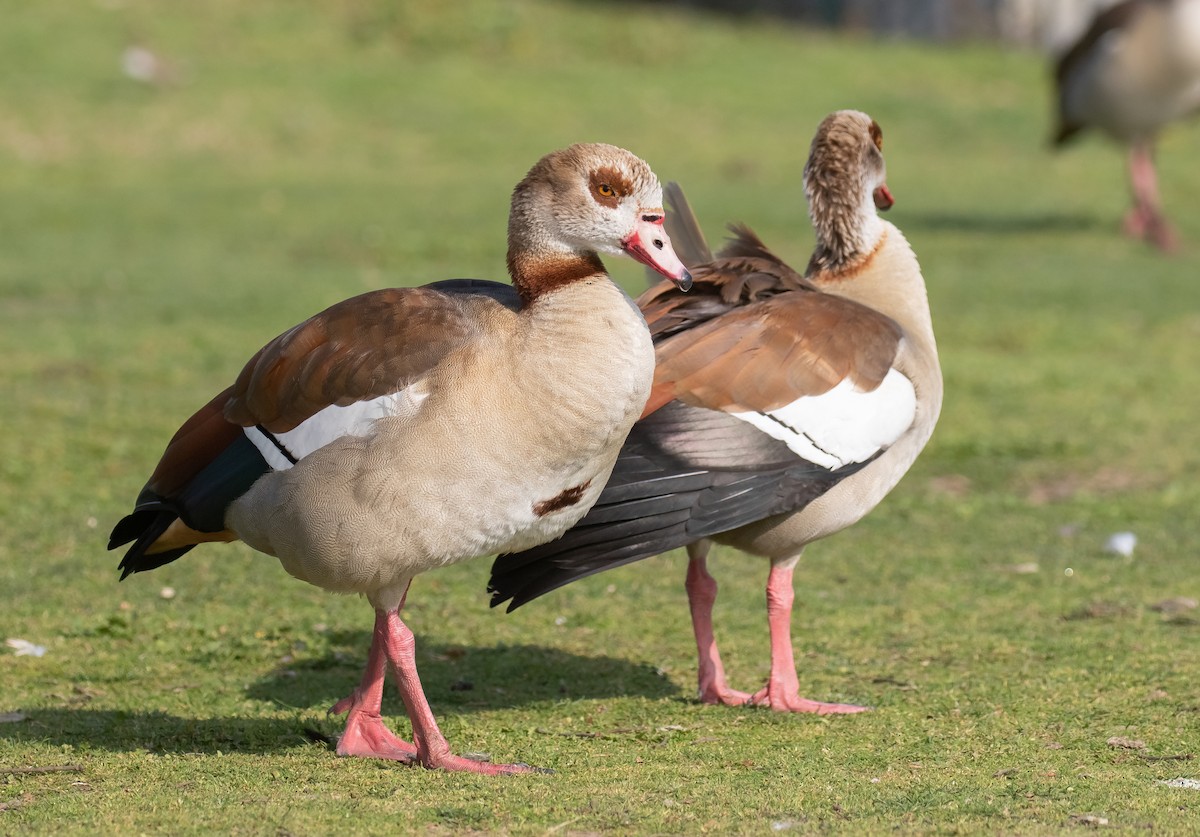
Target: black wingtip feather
(665, 494)
(150, 523)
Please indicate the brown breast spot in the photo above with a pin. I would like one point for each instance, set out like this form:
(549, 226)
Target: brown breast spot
(568, 497)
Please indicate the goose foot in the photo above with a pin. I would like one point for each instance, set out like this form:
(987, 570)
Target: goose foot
(366, 736)
(1145, 220)
(785, 700)
(782, 692)
(431, 749)
(1146, 225)
(448, 761)
(721, 694)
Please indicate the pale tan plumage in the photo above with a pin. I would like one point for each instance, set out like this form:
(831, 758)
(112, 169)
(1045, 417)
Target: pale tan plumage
(407, 429)
(1132, 72)
(757, 347)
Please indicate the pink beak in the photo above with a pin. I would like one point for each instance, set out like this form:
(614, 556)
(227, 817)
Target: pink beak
(650, 245)
(883, 198)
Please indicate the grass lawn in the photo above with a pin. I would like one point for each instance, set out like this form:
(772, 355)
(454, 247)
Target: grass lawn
(1023, 679)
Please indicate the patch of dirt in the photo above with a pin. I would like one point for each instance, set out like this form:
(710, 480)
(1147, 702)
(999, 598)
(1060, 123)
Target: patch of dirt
(1068, 486)
(1175, 605)
(1100, 610)
(955, 486)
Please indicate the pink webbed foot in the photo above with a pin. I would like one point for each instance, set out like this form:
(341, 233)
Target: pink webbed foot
(725, 697)
(448, 761)
(1163, 236)
(702, 595)
(1136, 223)
(717, 692)
(431, 749)
(1153, 228)
(783, 701)
(1146, 220)
(782, 692)
(366, 736)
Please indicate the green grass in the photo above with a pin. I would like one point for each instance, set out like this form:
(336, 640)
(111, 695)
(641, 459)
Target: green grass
(153, 237)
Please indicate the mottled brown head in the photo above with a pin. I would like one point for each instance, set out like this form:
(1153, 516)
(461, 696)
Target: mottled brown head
(581, 201)
(845, 183)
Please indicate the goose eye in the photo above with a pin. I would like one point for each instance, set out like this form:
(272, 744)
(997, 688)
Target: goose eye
(605, 190)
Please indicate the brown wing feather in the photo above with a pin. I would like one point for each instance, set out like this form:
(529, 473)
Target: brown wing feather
(193, 446)
(767, 354)
(364, 347)
(745, 271)
(753, 333)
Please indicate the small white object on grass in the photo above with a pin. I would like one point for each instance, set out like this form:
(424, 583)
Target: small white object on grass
(1121, 543)
(167, 593)
(25, 648)
(1181, 782)
(140, 64)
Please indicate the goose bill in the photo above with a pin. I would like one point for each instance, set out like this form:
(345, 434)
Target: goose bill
(650, 245)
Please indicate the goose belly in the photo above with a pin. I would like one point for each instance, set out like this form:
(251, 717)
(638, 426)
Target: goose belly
(509, 461)
(360, 515)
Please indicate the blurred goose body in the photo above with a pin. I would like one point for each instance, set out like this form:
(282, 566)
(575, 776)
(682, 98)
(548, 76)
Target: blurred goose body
(784, 407)
(1133, 71)
(407, 429)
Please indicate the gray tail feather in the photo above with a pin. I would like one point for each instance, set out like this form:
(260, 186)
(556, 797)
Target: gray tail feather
(684, 230)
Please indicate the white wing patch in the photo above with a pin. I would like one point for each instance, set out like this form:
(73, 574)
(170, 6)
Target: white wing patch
(282, 450)
(844, 425)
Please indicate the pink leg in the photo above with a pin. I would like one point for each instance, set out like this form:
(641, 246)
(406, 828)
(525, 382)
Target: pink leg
(365, 734)
(1146, 219)
(782, 692)
(702, 594)
(432, 749)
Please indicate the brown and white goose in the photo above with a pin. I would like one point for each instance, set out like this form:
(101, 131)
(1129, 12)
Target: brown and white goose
(1133, 71)
(407, 429)
(785, 407)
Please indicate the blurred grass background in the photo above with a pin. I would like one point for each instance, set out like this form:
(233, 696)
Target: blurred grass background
(286, 155)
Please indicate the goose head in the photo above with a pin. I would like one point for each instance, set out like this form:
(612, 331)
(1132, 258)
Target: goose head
(845, 181)
(581, 201)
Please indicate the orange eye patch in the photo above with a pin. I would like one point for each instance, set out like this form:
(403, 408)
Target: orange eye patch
(608, 186)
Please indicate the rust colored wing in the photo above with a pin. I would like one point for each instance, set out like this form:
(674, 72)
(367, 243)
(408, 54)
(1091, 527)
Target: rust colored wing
(362, 348)
(368, 346)
(753, 334)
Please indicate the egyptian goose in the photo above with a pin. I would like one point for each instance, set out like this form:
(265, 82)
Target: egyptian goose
(784, 408)
(1135, 69)
(410, 428)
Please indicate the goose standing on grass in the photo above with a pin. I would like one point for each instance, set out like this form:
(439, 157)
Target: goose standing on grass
(407, 429)
(1135, 69)
(784, 408)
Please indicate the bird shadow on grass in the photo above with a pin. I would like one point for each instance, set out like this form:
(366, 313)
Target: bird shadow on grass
(457, 679)
(1049, 223)
(154, 732)
(460, 679)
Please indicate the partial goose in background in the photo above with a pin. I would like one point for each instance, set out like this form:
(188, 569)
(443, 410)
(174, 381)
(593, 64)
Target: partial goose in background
(785, 407)
(1133, 71)
(406, 429)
